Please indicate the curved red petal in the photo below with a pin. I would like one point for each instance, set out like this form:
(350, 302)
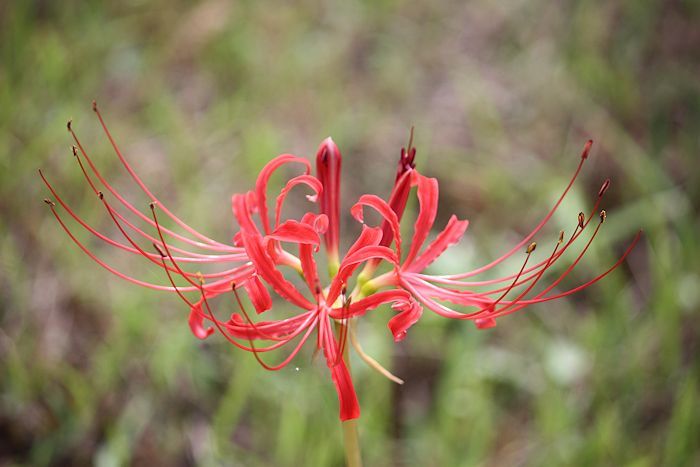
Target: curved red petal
(366, 304)
(410, 313)
(308, 180)
(352, 261)
(485, 323)
(258, 294)
(383, 208)
(428, 201)
(296, 232)
(450, 235)
(264, 178)
(265, 267)
(196, 322)
(349, 407)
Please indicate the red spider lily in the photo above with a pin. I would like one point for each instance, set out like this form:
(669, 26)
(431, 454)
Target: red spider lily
(267, 246)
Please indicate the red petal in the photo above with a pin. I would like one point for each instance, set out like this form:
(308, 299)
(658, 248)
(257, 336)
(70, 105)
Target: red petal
(196, 322)
(306, 257)
(368, 236)
(264, 178)
(361, 307)
(242, 208)
(352, 261)
(239, 327)
(308, 180)
(349, 407)
(258, 294)
(485, 323)
(428, 201)
(399, 324)
(449, 236)
(320, 223)
(265, 267)
(383, 208)
(296, 232)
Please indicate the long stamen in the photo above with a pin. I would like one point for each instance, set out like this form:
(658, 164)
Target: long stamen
(343, 323)
(194, 257)
(537, 278)
(562, 276)
(585, 285)
(369, 360)
(130, 207)
(541, 266)
(294, 352)
(529, 251)
(583, 222)
(247, 317)
(170, 277)
(603, 216)
(543, 222)
(144, 188)
(210, 316)
(106, 266)
(485, 323)
(150, 256)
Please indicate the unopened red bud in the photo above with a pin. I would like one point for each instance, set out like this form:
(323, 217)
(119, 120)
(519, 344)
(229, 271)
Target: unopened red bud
(328, 167)
(581, 219)
(604, 187)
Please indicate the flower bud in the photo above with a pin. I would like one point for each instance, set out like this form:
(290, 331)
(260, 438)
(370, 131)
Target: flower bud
(328, 165)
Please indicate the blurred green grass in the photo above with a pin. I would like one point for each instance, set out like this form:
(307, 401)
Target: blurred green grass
(96, 371)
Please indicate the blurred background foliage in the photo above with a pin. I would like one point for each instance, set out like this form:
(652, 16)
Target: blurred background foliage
(502, 94)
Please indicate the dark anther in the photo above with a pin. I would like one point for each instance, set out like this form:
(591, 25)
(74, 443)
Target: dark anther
(160, 252)
(587, 149)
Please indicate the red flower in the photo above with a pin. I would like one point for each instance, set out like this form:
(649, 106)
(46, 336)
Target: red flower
(267, 246)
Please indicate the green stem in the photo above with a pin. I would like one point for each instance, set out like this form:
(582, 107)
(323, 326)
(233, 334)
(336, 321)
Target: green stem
(352, 443)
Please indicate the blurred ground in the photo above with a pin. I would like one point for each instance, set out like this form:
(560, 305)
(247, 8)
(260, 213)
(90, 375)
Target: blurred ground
(503, 95)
